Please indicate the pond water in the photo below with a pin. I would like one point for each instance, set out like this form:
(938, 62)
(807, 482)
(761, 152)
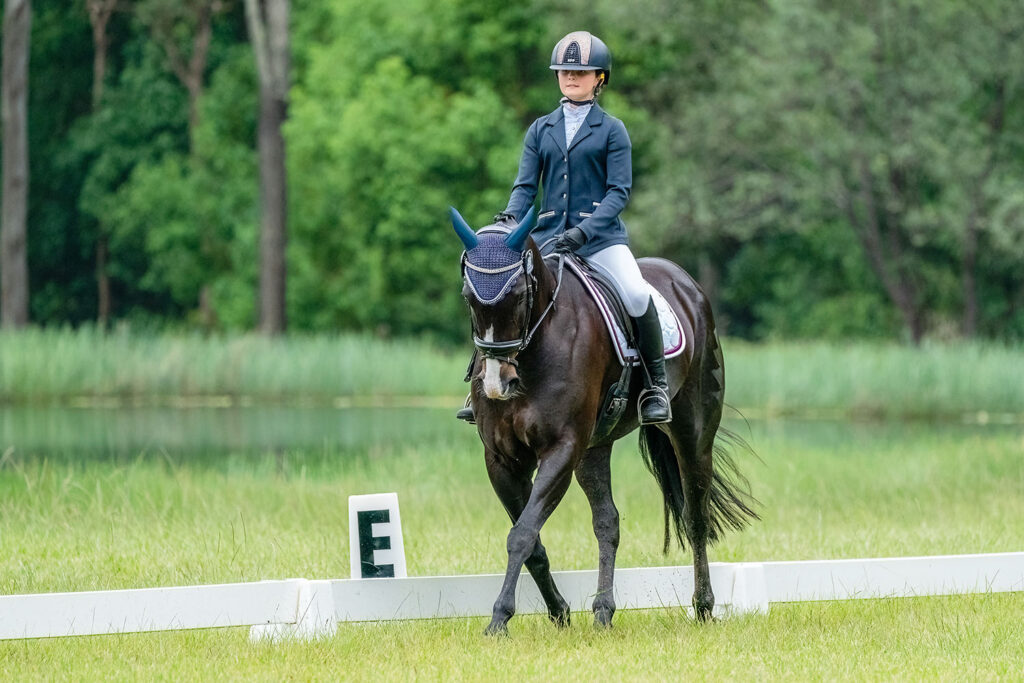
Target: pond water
(125, 433)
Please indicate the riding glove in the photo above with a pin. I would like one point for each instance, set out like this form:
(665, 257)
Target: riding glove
(570, 240)
(504, 219)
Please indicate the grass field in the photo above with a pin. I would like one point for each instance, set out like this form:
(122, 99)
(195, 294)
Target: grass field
(982, 381)
(828, 490)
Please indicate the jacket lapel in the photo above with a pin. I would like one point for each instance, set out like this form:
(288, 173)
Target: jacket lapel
(556, 128)
(594, 118)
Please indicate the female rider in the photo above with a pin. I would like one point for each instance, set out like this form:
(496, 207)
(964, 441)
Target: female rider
(580, 155)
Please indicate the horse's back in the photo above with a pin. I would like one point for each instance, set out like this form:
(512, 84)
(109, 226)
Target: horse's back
(686, 297)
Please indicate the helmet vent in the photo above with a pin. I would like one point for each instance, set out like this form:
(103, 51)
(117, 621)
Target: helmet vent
(572, 53)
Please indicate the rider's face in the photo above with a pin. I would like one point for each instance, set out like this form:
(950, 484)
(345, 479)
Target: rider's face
(577, 85)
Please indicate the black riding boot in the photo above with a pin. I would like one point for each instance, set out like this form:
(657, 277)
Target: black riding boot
(653, 405)
(466, 412)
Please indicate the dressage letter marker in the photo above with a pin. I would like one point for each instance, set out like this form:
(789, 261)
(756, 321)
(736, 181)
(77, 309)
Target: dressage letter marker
(376, 549)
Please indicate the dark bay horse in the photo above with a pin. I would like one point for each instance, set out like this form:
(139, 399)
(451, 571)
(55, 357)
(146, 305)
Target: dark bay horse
(544, 364)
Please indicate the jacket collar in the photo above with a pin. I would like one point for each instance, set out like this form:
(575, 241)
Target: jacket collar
(556, 121)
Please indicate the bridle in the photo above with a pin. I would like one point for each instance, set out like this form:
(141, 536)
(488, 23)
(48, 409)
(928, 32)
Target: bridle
(506, 350)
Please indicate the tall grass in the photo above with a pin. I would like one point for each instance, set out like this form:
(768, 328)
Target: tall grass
(871, 379)
(45, 365)
(830, 379)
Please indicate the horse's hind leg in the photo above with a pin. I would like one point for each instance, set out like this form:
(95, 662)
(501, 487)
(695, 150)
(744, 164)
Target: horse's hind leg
(692, 440)
(513, 489)
(593, 472)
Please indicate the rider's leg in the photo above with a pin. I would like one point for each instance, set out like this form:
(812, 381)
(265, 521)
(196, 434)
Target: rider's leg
(617, 262)
(653, 406)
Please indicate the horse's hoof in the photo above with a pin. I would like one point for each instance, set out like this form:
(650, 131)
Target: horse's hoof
(496, 630)
(704, 616)
(602, 621)
(560, 619)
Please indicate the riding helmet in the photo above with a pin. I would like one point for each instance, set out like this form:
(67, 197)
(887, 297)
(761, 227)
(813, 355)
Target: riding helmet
(582, 51)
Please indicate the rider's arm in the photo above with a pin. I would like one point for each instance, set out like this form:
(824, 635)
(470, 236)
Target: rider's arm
(524, 190)
(619, 183)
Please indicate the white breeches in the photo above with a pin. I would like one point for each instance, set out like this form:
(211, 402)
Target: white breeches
(618, 264)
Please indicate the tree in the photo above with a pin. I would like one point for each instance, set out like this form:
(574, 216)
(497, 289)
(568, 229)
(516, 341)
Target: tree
(268, 32)
(100, 12)
(13, 232)
(173, 25)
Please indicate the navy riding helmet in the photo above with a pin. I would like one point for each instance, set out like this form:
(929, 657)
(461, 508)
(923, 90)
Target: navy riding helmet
(582, 51)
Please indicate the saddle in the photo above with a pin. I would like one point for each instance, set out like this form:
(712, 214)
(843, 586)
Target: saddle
(623, 337)
(619, 323)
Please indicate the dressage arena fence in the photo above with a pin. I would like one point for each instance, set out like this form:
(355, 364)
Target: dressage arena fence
(304, 609)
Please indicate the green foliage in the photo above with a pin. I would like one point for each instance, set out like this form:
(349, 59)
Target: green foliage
(826, 169)
(193, 215)
(378, 150)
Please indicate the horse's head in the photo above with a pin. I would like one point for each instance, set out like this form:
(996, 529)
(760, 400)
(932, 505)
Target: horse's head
(500, 287)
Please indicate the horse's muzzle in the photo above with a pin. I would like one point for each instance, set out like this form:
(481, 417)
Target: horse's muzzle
(500, 379)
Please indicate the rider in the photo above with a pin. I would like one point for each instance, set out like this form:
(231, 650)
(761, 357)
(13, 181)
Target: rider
(581, 156)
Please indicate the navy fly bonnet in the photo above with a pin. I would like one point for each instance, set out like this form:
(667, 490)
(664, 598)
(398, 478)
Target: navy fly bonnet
(494, 257)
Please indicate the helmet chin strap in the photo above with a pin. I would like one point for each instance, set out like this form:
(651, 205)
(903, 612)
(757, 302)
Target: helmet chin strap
(577, 103)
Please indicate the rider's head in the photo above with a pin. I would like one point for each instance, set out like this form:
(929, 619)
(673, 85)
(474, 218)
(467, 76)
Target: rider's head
(583, 63)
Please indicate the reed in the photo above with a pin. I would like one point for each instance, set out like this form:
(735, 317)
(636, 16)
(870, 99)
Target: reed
(982, 380)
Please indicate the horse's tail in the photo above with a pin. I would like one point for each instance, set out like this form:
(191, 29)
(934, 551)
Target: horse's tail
(731, 506)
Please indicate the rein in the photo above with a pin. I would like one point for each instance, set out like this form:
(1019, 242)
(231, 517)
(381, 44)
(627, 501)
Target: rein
(505, 351)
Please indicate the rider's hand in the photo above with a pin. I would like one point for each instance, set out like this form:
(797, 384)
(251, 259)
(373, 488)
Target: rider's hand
(504, 219)
(570, 240)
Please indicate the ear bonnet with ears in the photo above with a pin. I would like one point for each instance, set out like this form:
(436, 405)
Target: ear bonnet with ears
(495, 257)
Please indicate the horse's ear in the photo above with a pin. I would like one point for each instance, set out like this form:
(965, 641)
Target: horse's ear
(516, 239)
(462, 229)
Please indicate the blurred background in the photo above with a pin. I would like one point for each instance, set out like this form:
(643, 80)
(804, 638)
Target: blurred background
(826, 169)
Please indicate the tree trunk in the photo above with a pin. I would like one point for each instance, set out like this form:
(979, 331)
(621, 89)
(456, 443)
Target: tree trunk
(884, 251)
(190, 71)
(99, 17)
(103, 299)
(14, 227)
(273, 232)
(268, 31)
(969, 267)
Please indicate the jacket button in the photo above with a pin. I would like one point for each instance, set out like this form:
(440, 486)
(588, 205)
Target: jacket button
(563, 195)
(565, 159)
(565, 176)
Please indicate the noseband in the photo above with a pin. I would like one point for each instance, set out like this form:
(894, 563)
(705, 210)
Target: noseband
(506, 350)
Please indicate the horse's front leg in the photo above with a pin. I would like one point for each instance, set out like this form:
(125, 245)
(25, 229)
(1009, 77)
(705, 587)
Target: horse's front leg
(513, 484)
(594, 474)
(554, 473)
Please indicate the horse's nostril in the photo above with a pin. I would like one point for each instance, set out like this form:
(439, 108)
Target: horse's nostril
(513, 384)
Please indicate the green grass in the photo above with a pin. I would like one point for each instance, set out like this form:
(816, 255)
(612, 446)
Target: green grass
(956, 638)
(983, 381)
(829, 491)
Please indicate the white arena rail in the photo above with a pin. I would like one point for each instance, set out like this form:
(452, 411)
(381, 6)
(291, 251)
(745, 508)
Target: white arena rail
(303, 609)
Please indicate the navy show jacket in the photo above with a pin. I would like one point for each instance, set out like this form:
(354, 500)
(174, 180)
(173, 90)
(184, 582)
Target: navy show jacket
(585, 186)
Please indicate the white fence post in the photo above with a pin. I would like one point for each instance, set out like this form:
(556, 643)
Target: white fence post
(749, 589)
(314, 615)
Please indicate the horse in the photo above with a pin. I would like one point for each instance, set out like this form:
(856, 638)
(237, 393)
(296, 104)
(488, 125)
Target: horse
(544, 362)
